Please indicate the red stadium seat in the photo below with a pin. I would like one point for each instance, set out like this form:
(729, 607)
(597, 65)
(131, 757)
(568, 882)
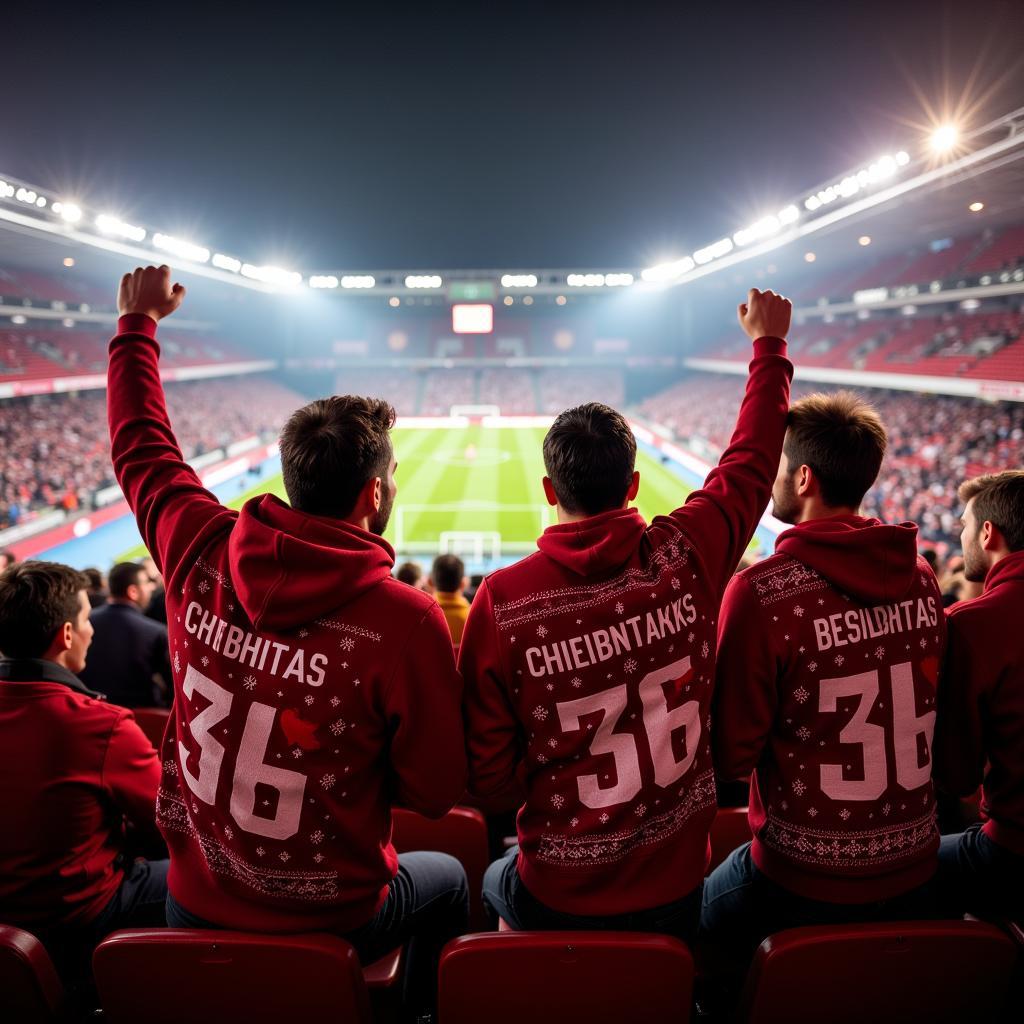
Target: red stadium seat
(929, 971)
(30, 991)
(729, 830)
(166, 976)
(568, 977)
(461, 833)
(152, 721)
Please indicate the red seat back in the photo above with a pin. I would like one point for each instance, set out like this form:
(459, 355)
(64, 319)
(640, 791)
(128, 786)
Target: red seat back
(568, 977)
(729, 830)
(461, 833)
(152, 721)
(170, 975)
(30, 991)
(930, 971)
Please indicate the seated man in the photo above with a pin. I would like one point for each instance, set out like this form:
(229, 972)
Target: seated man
(588, 667)
(73, 769)
(980, 729)
(311, 689)
(825, 691)
(448, 579)
(128, 660)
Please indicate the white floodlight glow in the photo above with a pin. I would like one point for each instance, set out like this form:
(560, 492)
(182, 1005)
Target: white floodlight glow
(713, 251)
(358, 281)
(970, 304)
(585, 280)
(902, 158)
(26, 195)
(272, 275)
(663, 272)
(41, 201)
(944, 138)
(71, 212)
(881, 170)
(323, 281)
(518, 280)
(6, 189)
(759, 229)
(222, 262)
(423, 281)
(618, 280)
(869, 296)
(19, 319)
(179, 247)
(111, 225)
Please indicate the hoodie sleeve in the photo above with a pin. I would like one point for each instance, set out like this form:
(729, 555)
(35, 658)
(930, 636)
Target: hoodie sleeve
(493, 734)
(131, 773)
(959, 754)
(720, 518)
(746, 691)
(423, 705)
(173, 509)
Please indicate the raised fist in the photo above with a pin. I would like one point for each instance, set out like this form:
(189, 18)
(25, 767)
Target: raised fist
(765, 315)
(149, 290)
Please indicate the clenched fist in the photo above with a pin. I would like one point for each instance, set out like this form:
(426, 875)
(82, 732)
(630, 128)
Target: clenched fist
(765, 315)
(149, 290)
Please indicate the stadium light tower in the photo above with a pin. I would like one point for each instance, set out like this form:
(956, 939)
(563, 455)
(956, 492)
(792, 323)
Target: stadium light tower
(944, 138)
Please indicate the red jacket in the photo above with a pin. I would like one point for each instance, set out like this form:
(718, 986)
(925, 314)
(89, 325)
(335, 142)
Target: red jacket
(981, 706)
(588, 670)
(311, 689)
(828, 660)
(72, 768)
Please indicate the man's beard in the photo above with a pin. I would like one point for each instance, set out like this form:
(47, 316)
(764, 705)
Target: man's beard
(785, 506)
(975, 567)
(379, 523)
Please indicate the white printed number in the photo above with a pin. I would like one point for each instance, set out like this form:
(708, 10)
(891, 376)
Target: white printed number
(659, 722)
(907, 725)
(250, 768)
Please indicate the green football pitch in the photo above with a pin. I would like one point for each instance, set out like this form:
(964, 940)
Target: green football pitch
(476, 489)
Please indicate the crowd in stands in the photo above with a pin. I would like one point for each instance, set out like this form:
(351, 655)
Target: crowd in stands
(55, 450)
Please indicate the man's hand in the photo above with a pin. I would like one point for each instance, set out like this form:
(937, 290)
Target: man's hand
(765, 315)
(149, 290)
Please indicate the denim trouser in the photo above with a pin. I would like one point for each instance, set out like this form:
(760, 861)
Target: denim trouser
(426, 906)
(507, 896)
(979, 876)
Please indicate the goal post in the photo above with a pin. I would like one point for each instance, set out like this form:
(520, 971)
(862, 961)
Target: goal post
(475, 412)
(477, 545)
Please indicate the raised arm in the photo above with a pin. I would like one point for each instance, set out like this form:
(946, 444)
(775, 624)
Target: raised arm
(721, 517)
(175, 512)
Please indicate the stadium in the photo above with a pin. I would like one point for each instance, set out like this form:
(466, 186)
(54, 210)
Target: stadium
(903, 267)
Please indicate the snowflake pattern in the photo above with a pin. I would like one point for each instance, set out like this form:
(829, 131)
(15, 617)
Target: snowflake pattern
(204, 661)
(879, 651)
(260, 852)
(542, 631)
(338, 727)
(346, 643)
(542, 759)
(619, 608)
(297, 753)
(204, 587)
(800, 695)
(887, 809)
(603, 818)
(640, 810)
(797, 611)
(575, 682)
(553, 743)
(303, 633)
(540, 713)
(705, 649)
(558, 801)
(177, 662)
(844, 813)
(318, 858)
(309, 699)
(839, 659)
(170, 767)
(334, 702)
(629, 665)
(799, 787)
(229, 832)
(804, 733)
(284, 856)
(328, 780)
(924, 643)
(675, 583)
(249, 682)
(549, 687)
(812, 812)
(316, 837)
(574, 822)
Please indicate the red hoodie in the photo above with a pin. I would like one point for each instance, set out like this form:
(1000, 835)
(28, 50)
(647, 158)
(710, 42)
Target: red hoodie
(981, 705)
(828, 659)
(303, 676)
(72, 769)
(588, 670)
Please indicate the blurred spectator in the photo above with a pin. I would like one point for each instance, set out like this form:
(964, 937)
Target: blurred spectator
(157, 607)
(448, 578)
(129, 661)
(411, 573)
(7, 559)
(97, 588)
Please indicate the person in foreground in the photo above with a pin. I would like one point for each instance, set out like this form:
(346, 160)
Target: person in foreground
(588, 667)
(73, 770)
(825, 690)
(301, 672)
(980, 729)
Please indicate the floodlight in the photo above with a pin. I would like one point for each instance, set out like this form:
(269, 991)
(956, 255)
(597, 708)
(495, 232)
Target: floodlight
(944, 138)
(663, 272)
(222, 262)
(423, 281)
(323, 281)
(111, 225)
(71, 212)
(179, 247)
(976, 207)
(358, 281)
(518, 280)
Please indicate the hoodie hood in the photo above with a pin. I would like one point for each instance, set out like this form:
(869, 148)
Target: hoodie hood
(864, 558)
(1006, 569)
(289, 568)
(597, 545)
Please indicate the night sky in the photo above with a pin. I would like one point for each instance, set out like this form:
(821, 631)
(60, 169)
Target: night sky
(480, 135)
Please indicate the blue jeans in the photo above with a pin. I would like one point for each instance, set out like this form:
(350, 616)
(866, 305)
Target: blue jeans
(426, 906)
(507, 897)
(979, 876)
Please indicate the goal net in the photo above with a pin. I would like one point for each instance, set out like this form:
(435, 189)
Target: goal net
(478, 545)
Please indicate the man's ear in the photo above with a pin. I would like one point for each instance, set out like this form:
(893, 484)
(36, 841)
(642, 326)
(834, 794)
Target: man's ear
(989, 536)
(634, 487)
(805, 482)
(549, 491)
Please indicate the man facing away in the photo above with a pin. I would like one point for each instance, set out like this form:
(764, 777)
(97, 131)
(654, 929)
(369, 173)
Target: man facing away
(312, 690)
(128, 660)
(588, 667)
(448, 578)
(980, 729)
(73, 770)
(825, 691)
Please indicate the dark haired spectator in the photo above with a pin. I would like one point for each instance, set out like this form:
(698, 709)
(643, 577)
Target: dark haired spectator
(7, 559)
(129, 661)
(411, 574)
(73, 769)
(448, 578)
(97, 589)
(157, 607)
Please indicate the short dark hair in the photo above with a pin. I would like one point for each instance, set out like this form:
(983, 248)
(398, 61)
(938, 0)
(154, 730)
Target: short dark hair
(409, 572)
(123, 576)
(999, 500)
(8, 557)
(842, 439)
(331, 448)
(95, 578)
(447, 573)
(589, 455)
(36, 599)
